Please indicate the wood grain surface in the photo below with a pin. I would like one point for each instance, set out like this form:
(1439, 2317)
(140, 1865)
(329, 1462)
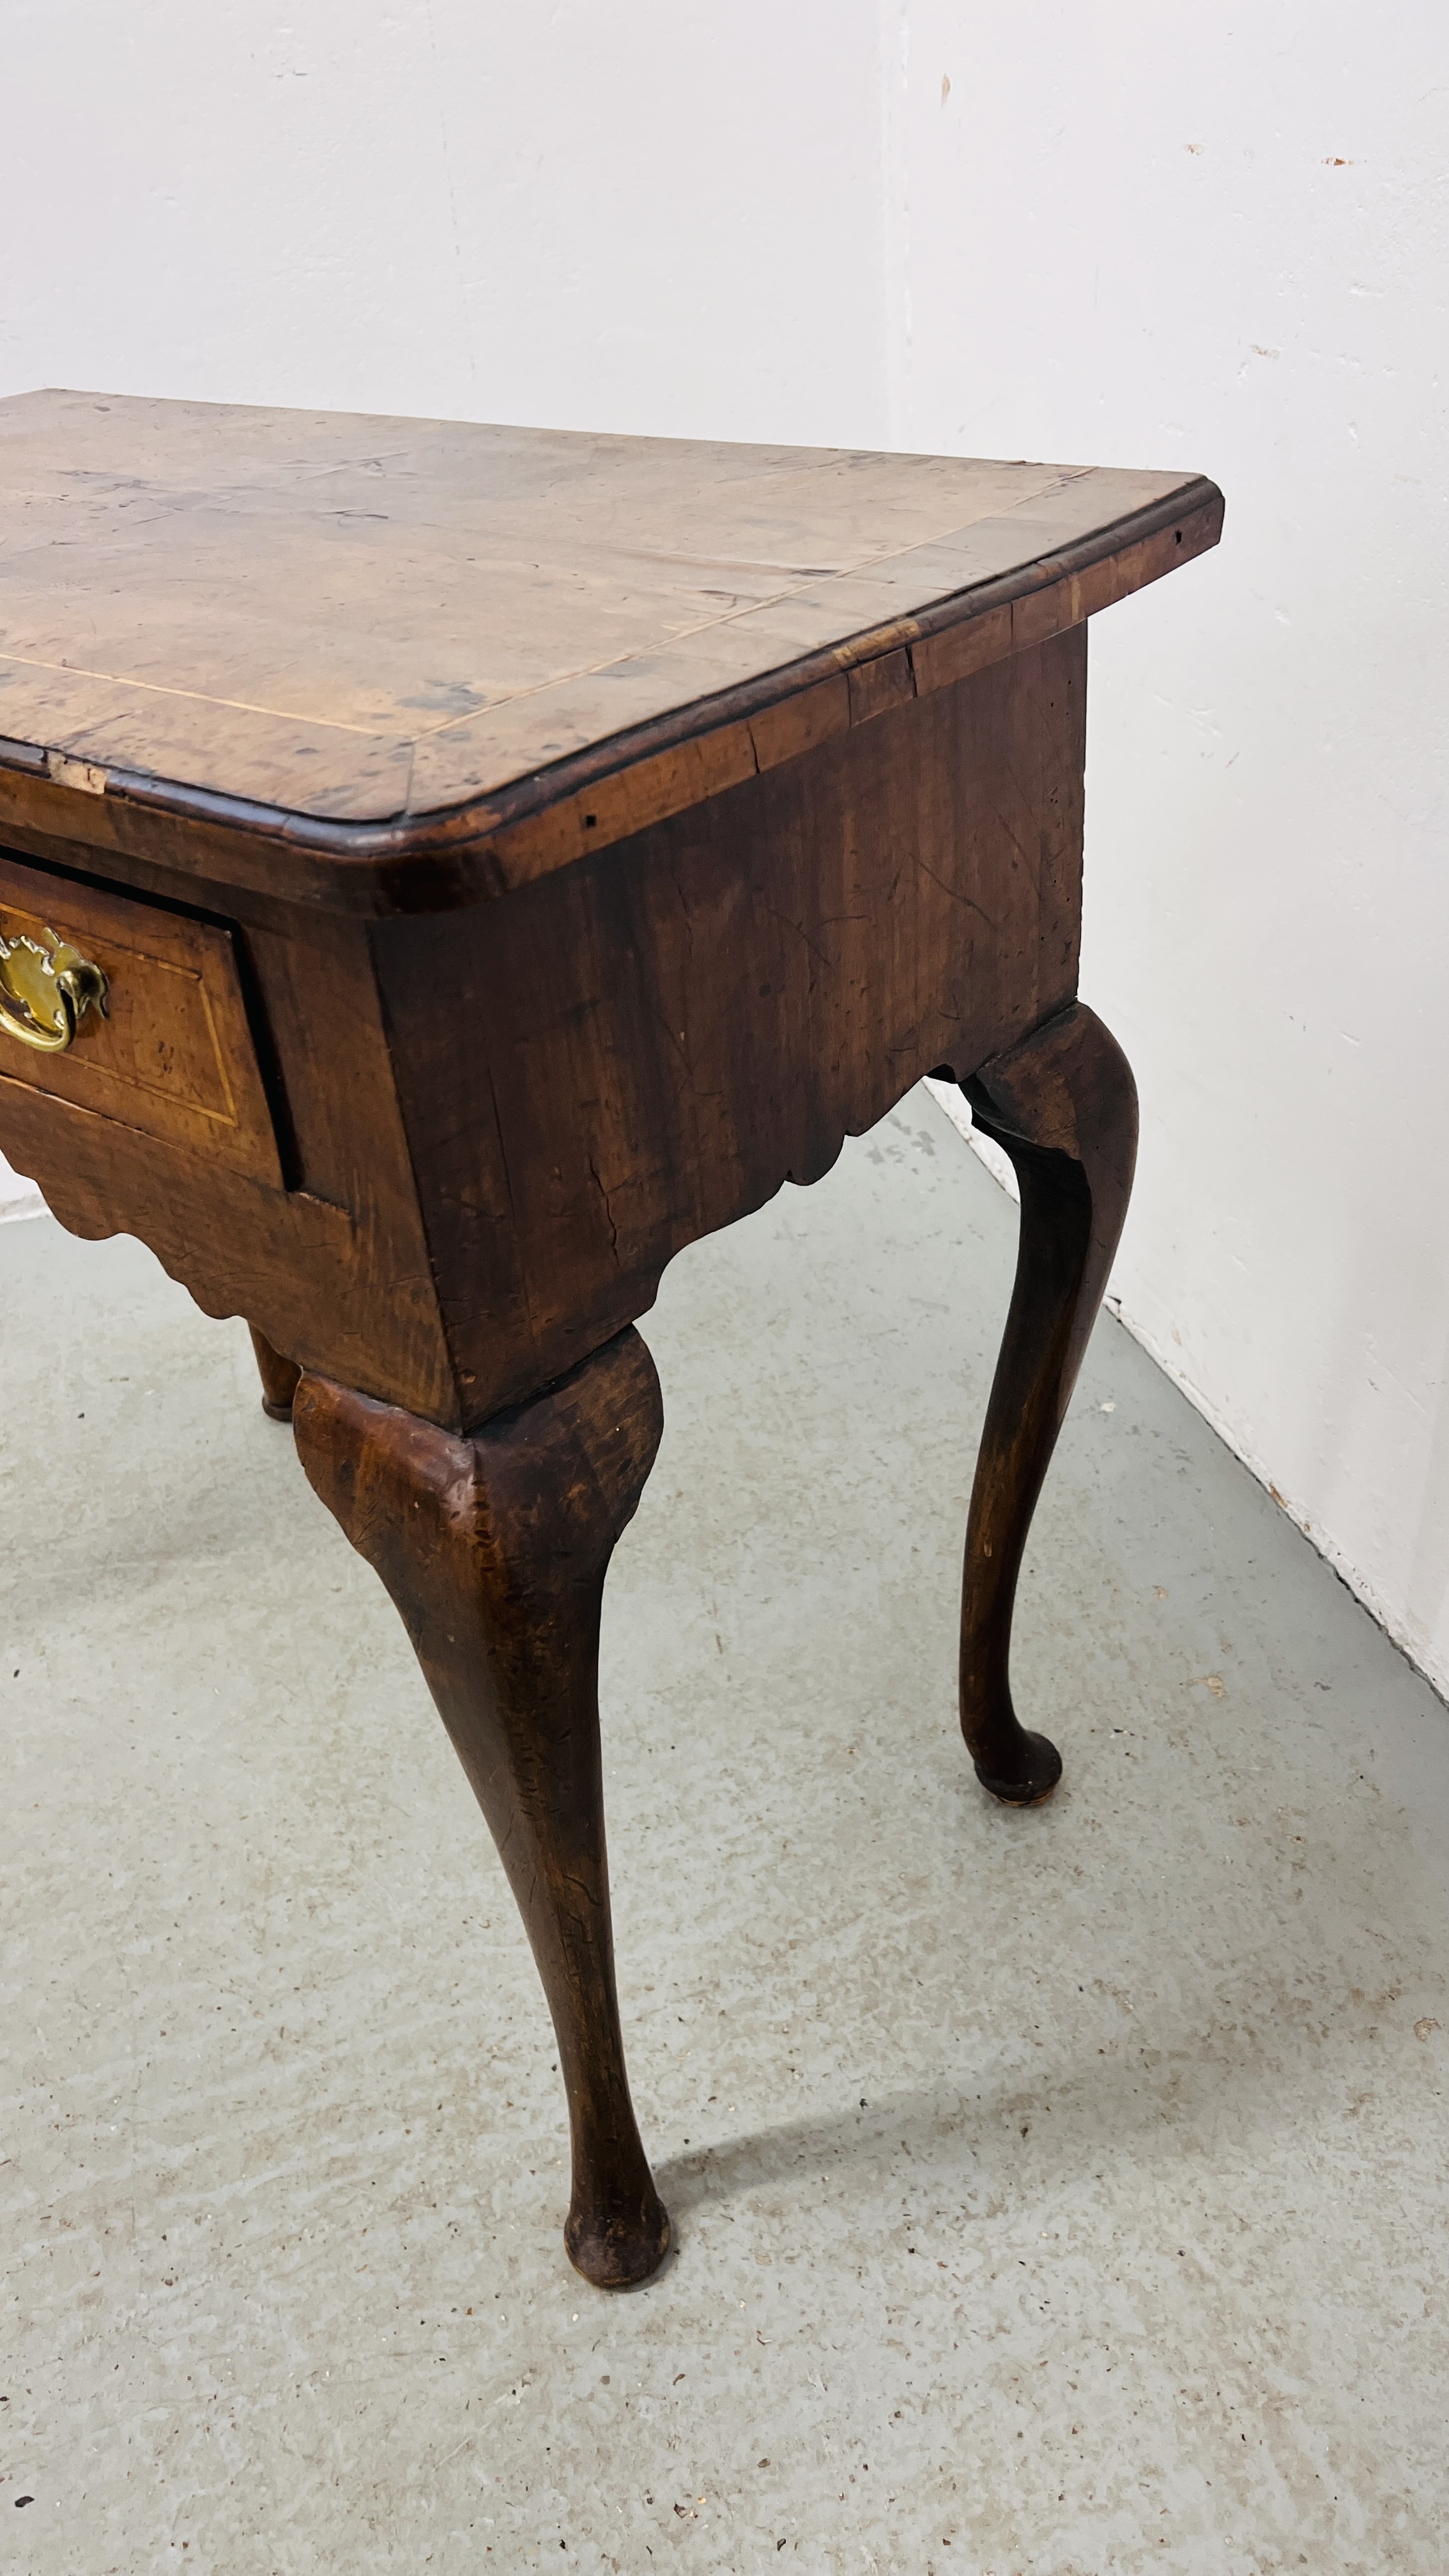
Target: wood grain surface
(495, 1552)
(381, 638)
(174, 1054)
(628, 1054)
(1063, 1106)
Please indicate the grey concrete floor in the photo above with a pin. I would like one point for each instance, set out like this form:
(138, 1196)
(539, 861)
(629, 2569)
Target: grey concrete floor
(1056, 2193)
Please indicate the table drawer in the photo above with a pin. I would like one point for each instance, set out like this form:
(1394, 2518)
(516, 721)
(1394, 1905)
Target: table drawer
(174, 1054)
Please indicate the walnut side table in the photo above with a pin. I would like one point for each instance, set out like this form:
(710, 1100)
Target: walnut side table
(443, 871)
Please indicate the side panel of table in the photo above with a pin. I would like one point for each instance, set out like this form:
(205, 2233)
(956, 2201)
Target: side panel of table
(598, 1069)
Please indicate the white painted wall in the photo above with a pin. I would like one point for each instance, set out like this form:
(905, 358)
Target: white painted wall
(618, 214)
(1211, 237)
(1220, 238)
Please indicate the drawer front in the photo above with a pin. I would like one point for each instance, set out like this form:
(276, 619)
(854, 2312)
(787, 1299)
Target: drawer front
(174, 1056)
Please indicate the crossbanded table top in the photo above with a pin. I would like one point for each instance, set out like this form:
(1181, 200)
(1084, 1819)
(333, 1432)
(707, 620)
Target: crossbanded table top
(363, 621)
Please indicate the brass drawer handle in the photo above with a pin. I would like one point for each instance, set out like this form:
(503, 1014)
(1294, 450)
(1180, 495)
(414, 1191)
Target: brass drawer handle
(45, 993)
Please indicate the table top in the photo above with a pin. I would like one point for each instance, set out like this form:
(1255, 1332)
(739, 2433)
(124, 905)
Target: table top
(355, 621)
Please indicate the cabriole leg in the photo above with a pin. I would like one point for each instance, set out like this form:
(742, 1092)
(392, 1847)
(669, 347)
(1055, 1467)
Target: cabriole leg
(1063, 1105)
(494, 1549)
(279, 1377)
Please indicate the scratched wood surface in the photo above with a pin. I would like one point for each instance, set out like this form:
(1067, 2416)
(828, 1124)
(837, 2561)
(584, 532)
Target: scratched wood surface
(639, 1049)
(353, 621)
(173, 1054)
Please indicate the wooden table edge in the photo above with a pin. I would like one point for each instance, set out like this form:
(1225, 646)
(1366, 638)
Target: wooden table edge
(441, 861)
